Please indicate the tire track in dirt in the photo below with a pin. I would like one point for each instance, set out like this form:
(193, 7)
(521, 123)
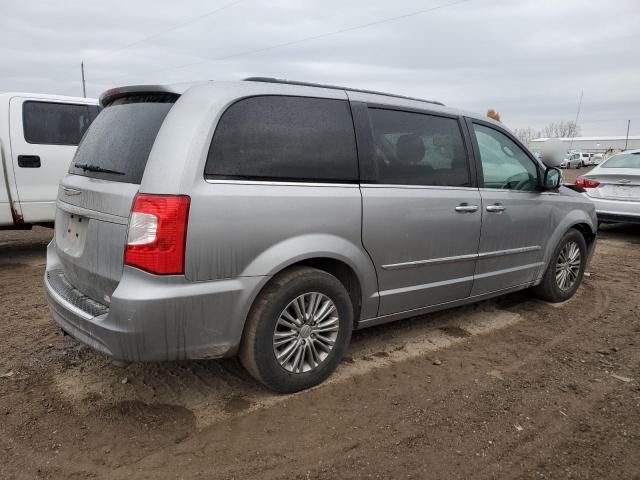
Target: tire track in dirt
(214, 391)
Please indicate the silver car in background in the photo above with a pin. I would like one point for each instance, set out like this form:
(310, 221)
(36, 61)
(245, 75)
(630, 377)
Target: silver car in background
(573, 160)
(614, 188)
(268, 219)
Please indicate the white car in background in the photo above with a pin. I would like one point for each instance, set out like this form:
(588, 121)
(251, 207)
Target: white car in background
(614, 187)
(39, 135)
(587, 159)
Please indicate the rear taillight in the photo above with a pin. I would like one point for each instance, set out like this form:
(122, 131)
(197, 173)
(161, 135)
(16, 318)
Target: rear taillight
(157, 233)
(586, 182)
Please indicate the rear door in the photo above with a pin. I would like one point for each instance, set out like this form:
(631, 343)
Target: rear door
(516, 217)
(421, 209)
(95, 199)
(44, 137)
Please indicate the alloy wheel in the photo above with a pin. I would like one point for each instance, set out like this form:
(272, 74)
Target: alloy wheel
(568, 266)
(306, 332)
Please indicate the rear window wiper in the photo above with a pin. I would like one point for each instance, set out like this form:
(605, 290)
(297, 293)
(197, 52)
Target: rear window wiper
(96, 168)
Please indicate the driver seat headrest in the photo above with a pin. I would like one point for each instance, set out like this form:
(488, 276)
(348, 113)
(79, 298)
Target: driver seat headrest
(410, 149)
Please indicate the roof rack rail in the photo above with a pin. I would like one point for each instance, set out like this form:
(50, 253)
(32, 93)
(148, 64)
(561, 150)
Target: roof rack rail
(335, 87)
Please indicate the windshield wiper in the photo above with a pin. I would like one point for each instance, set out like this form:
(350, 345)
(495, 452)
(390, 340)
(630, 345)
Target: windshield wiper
(96, 168)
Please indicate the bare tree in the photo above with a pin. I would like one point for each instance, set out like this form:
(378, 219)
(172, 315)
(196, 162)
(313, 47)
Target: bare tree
(525, 135)
(561, 129)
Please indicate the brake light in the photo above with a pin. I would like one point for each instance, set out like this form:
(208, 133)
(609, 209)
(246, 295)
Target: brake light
(157, 233)
(586, 182)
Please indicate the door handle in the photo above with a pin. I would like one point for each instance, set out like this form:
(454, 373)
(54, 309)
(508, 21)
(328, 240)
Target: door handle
(497, 208)
(29, 161)
(464, 208)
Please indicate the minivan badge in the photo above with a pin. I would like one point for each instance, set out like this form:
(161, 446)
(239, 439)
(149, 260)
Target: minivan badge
(71, 191)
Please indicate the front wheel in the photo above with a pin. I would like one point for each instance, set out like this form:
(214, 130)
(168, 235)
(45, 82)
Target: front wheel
(566, 269)
(298, 330)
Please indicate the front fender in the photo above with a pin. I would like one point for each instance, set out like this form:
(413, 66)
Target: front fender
(574, 217)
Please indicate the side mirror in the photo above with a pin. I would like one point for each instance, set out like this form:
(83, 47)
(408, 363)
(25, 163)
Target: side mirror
(552, 178)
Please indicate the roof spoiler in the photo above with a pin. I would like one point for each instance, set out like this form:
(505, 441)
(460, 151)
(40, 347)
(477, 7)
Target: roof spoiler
(114, 94)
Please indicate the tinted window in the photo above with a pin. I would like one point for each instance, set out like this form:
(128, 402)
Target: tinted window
(285, 138)
(56, 123)
(120, 140)
(504, 164)
(418, 149)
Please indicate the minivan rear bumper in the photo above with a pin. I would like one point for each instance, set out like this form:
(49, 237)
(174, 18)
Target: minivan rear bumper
(154, 318)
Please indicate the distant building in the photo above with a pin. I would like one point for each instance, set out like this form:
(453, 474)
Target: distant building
(590, 144)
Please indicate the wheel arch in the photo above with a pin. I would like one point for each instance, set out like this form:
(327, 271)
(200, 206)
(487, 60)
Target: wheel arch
(576, 219)
(336, 255)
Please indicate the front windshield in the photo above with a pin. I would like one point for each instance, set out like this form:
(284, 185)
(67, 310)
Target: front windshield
(623, 160)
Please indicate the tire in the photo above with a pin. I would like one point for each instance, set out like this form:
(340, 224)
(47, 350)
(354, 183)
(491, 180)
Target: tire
(266, 327)
(550, 289)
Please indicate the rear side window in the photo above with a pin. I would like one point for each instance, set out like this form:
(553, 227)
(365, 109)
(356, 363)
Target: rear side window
(48, 123)
(418, 149)
(117, 145)
(284, 138)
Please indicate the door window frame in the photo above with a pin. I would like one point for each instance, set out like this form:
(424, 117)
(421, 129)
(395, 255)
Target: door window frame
(365, 143)
(478, 160)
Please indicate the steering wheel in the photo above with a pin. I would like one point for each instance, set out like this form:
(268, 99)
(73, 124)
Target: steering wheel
(514, 184)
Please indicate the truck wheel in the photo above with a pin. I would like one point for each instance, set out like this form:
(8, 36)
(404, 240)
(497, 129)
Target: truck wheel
(566, 269)
(298, 330)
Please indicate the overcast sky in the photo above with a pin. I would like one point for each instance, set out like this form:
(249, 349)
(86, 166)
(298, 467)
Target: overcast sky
(528, 59)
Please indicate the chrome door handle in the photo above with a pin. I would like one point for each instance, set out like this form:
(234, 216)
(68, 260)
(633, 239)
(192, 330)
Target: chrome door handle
(466, 208)
(495, 208)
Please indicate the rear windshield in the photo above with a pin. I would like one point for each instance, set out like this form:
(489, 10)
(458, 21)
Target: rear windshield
(117, 145)
(623, 160)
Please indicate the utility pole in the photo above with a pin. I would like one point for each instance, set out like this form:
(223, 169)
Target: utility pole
(627, 139)
(84, 88)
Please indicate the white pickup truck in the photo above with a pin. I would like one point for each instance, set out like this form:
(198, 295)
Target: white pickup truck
(38, 138)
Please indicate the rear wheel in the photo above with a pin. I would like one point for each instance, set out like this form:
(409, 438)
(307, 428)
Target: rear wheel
(298, 330)
(566, 269)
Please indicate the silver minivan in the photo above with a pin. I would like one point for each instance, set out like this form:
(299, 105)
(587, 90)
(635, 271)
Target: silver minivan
(268, 219)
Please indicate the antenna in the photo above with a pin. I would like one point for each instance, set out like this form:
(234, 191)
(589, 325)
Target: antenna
(626, 141)
(575, 123)
(84, 87)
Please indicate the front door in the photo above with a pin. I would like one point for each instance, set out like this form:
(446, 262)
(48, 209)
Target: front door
(516, 221)
(421, 208)
(44, 137)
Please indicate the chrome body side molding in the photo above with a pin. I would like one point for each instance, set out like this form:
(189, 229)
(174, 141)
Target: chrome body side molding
(461, 258)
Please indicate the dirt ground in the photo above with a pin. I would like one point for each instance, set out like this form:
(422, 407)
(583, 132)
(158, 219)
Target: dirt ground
(508, 388)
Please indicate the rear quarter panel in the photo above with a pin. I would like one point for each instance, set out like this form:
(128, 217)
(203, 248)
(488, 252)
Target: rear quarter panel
(258, 229)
